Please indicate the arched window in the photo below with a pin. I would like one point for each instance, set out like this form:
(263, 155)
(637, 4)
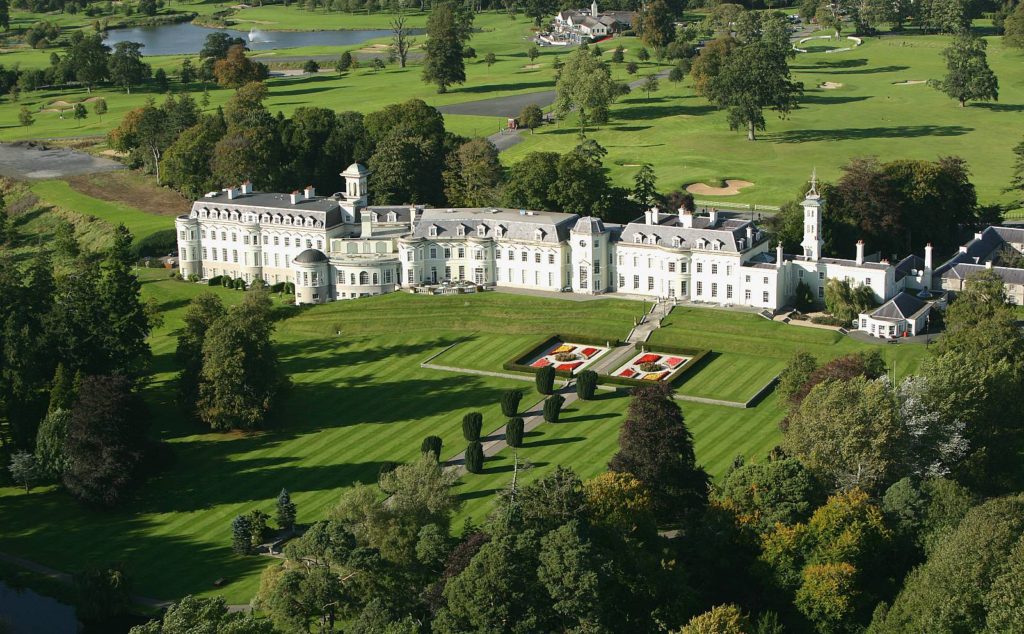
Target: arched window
(375, 279)
(364, 277)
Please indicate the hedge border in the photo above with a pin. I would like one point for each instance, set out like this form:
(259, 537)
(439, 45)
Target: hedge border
(676, 377)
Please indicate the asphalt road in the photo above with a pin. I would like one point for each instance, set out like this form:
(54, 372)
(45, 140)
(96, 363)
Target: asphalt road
(34, 160)
(509, 106)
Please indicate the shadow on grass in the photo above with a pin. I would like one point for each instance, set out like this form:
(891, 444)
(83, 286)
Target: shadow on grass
(303, 91)
(501, 87)
(847, 134)
(587, 417)
(866, 71)
(1000, 107)
(844, 63)
(549, 443)
(646, 112)
(475, 495)
(830, 100)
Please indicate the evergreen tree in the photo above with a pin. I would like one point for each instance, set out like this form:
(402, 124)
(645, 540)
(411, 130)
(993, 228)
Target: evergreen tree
(968, 76)
(656, 447)
(202, 312)
(432, 445)
(586, 384)
(514, 432)
(644, 189)
(474, 457)
(241, 535)
(510, 402)
(545, 379)
(553, 408)
(472, 424)
(285, 511)
(25, 470)
(126, 323)
(443, 62)
(50, 441)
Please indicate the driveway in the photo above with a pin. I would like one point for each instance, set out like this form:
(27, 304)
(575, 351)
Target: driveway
(509, 106)
(30, 159)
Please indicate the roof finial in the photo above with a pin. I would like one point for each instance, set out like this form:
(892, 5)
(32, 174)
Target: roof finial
(813, 191)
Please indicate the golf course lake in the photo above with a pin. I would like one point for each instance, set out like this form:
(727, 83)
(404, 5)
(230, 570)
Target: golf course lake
(25, 612)
(185, 38)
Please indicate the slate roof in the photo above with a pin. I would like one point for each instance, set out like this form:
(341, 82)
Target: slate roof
(876, 266)
(516, 224)
(728, 231)
(979, 250)
(963, 270)
(320, 208)
(908, 265)
(310, 256)
(588, 225)
(902, 306)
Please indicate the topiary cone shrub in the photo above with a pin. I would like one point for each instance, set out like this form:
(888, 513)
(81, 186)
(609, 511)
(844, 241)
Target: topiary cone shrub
(472, 423)
(545, 379)
(514, 432)
(553, 407)
(586, 385)
(474, 457)
(510, 402)
(432, 444)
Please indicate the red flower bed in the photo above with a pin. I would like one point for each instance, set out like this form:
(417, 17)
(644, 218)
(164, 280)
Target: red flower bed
(588, 352)
(673, 361)
(648, 358)
(540, 363)
(629, 374)
(568, 367)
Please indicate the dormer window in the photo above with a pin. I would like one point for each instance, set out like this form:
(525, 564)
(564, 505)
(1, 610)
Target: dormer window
(375, 217)
(652, 240)
(638, 238)
(500, 231)
(432, 231)
(481, 230)
(677, 242)
(538, 234)
(392, 216)
(460, 231)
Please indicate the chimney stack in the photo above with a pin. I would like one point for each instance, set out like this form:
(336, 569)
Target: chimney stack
(412, 218)
(309, 192)
(928, 256)
(778, 255)
(926, 274)
(712, 217)
(295, 197)
(685, 218)
(860, 252)
(750, 234)
(988, 264)
(963, 249)
(232, 193)
(247, 187)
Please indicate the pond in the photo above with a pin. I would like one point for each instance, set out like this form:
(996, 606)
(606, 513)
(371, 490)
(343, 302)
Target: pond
(181, 39)
(26, 612)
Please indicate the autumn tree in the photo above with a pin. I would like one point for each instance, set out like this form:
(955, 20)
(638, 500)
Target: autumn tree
(236, 69)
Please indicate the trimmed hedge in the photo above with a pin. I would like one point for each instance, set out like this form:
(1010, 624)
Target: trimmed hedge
(514, 432)
(553, 407)
(474, 457)
(510, 402)
(472, 425)
(545, 379)
(674, 379)
(432, 444)
(586, 384)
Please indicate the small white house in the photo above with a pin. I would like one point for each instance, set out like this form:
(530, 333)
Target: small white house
(904, 315)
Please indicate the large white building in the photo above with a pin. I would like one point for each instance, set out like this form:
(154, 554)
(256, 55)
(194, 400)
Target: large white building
(340, 247)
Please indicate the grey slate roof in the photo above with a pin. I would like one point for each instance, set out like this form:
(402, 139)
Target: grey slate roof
(902, 306)
(322, 208)
(310, 256)
(588, 225)
(963, 270)
(877, 266)
(728, 230)
(517, 224)
(908, 265)
(401, 212)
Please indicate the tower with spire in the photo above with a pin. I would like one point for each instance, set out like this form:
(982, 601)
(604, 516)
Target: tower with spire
(593, 9)
(812, 243)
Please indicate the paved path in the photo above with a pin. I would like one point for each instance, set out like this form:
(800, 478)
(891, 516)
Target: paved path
(495, 442)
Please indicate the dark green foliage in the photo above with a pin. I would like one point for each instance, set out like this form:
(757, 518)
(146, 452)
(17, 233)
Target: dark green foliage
(795, 375)
(531, 181)
(62, 390)
(586, 384)
(472, 425)
(803, 299)
(765, 493)
(241, 535)
(286, 511)
(514, 432)
(510, 402)
(553, 407)
(474, 457)
(50, 441)
(199, 614)
(443, 53)
(202, 312)
(344, 62)
(657, 448)
(386, 467)
(310, 67)
(432, 445)
(105, 441)
(846, 302)
(103, 593)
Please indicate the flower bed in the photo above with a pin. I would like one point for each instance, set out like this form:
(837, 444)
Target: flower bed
(651, 366)
(566, 356)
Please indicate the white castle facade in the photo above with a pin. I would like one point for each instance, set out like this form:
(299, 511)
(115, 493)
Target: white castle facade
(340, 247)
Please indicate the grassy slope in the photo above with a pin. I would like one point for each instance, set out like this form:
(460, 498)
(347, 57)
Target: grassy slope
(141, 224)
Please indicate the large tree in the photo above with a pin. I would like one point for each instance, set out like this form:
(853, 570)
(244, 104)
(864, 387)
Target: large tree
(749, 79)
(658, 26)
(195, 615)
(848, 433)
(586, 87)
(237, 69)
(105, 441)
(400, 40)
(87, 59)
(202, 312)
(126, 66)
(764, 494)
(473, 175)
(531, 182)
(186, 163)
(443, 62)
(126, 320)
(657, 448)
(240, 380)
(968, 76)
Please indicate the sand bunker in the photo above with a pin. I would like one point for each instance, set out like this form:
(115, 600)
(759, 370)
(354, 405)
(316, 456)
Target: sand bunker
(829, 85)
(531, 66)
(732, 187)
(61, 104)
(909, 82)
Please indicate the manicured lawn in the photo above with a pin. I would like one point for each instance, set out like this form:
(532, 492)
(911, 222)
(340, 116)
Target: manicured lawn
(731, 376)
(141, 224)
